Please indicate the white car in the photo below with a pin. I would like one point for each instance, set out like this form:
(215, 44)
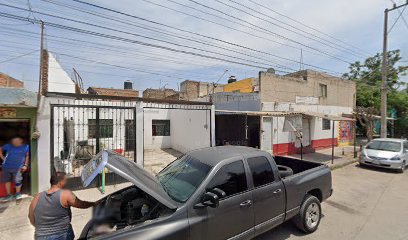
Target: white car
(386, 153)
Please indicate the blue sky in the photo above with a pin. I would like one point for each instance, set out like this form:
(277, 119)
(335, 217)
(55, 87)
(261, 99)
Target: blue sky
(107, 63)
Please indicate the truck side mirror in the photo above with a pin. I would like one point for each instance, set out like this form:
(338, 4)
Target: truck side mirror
(209, 199)
(221, 194)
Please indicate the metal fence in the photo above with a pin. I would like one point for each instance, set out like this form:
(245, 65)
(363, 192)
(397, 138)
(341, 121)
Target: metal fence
(81, 129)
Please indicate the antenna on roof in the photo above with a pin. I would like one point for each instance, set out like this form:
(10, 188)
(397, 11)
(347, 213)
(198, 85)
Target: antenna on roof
(78, 81)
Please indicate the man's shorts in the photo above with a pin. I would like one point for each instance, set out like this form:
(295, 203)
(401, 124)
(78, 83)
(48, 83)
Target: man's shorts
(12, 175)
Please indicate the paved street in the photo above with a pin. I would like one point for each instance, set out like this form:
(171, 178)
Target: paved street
(364, 199)
(367, 204)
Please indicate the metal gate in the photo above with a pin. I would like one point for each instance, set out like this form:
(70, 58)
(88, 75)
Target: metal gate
(80, 131)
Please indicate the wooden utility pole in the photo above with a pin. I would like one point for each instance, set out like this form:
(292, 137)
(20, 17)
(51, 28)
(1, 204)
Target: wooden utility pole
(384, 72)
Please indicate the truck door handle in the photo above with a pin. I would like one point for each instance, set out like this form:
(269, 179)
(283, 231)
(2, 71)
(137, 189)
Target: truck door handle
(277, 191)
(247, 203)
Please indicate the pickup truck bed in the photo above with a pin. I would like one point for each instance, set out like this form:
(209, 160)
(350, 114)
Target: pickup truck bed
(308, 177)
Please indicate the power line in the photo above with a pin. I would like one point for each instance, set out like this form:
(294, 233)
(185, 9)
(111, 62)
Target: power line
(146, 37)
(107, 36)
(319, 39)
(307, 26)
(257, 27)
(169, 34)
(19, 56)
(402, 17)
(198, 34)
(396, 20)
(76, 42)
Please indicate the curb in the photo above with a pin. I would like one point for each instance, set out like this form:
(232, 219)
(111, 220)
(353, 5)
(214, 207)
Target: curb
(334, 167)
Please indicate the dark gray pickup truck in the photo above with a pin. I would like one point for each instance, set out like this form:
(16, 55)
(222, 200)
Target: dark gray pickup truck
(213, 193)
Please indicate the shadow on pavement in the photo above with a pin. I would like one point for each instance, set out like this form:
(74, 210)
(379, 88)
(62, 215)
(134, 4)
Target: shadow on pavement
(3, 207)
(377, 169)
(282, 232)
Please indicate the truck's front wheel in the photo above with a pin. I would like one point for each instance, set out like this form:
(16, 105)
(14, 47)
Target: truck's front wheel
(309, 216)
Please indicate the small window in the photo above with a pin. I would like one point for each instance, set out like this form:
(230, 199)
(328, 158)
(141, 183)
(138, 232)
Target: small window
(405, 146)
(261, 171)
(326, 124)
(230, 178)
(323, 90)
(105, 128)
(160, 127)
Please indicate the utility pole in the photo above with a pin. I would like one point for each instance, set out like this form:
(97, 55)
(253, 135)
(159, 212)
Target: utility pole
(41, 59)
(384, 72)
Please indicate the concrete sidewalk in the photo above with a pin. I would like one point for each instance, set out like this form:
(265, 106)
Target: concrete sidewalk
(342, 156)
(14, 223)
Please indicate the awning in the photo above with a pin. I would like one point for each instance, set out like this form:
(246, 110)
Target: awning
(259, 113)
(374, 116)
(328, 117)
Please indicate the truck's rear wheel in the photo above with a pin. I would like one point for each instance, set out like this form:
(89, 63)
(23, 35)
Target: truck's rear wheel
(308, 219)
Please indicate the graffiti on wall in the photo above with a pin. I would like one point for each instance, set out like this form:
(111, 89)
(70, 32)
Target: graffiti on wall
(345, 132)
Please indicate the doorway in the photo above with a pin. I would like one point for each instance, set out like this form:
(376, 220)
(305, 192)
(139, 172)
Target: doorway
(237, 129)
(9, 129)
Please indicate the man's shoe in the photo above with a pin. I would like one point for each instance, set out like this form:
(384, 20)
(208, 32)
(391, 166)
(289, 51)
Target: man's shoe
(6, 199)
(19, 196)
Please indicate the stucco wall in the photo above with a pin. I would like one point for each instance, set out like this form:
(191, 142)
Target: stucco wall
(190, 129)
(318, 136)
(58, 79)
(243, 86)
(155, 142)
(276, 88)
(236, 101)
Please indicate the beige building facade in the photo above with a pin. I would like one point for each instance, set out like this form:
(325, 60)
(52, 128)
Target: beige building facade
(307, 87)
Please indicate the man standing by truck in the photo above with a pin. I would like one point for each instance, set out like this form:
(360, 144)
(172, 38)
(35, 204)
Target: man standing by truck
(50, 211)
(15, 158)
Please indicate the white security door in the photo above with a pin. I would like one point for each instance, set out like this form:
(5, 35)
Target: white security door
(266, 143)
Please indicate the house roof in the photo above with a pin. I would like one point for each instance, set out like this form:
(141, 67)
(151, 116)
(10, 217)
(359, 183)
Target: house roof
(17, 97)
(115, 92)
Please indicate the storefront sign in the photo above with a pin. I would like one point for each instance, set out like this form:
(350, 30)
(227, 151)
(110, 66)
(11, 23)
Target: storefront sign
(8, 113)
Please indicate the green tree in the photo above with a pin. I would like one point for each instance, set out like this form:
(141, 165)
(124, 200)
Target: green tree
(367, 76)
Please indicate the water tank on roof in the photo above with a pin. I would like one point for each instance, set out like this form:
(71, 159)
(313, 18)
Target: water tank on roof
(271, 70)
(232, 79)
(128, 85)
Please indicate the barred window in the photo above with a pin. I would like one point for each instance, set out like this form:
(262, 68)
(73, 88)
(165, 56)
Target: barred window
(105, 128)
(160, 127)
(326, 124)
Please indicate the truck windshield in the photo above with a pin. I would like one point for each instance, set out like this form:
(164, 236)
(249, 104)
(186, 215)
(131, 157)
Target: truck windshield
(385, 146)
(181, 178)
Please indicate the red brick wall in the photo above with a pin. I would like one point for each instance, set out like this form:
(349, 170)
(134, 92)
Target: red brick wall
(7, 81)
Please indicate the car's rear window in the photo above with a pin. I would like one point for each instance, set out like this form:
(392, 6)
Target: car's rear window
(385, 146)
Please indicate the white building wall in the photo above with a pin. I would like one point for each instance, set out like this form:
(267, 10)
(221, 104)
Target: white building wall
(316, 131)
(155, 142)
(58, 79)
(190, 129)
(43, 151)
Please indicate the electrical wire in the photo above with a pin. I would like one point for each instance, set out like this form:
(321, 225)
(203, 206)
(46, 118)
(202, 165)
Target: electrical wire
(307, 26)
(19, 56)
(194, 16)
